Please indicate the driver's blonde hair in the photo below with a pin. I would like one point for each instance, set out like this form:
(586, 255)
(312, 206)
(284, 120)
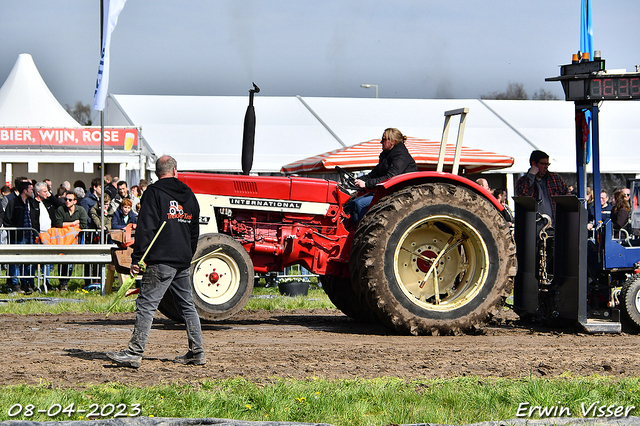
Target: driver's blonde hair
(394, 135)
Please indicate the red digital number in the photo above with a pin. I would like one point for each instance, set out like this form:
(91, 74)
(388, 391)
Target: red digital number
(635, 87)
(607, 89)
(596, 88)
(623, 87)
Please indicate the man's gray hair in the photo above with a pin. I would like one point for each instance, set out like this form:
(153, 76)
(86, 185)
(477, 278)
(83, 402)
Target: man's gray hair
(165, 165)
(40, 186)
(79, 192)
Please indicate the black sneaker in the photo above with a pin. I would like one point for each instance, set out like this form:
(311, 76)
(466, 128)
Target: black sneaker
(191, 358)
(16, 290)
(125, 359)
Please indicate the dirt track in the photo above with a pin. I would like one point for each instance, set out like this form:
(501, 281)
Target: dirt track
(68, 350)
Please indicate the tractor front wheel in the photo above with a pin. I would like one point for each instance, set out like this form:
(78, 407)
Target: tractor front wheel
(221, 279)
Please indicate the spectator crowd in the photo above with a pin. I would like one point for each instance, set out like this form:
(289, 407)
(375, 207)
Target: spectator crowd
(29, 210)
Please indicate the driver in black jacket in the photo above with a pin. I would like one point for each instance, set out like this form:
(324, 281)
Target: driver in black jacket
(395, 159)
(167, 262)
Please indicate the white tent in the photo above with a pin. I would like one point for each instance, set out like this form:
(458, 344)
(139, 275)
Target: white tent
(25, 99)
(39, 139)
(205, 133)
(550, 126)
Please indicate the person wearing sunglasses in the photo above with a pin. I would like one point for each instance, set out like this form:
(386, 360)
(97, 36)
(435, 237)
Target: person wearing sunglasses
(71, 214)
(541, 184)
(395, 159)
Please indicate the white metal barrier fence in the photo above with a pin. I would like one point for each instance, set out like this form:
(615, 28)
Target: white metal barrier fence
(85, 260)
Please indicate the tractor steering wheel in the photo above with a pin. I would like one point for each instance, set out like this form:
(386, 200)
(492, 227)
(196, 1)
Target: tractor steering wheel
(347, 179)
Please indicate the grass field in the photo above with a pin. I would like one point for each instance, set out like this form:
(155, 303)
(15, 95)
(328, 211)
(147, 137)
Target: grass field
(80, 300)
(382, 401)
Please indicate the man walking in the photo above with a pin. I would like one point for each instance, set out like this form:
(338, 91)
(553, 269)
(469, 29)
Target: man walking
(167, 262)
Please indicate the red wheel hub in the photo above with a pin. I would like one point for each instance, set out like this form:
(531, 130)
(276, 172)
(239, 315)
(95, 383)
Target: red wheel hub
(214, 277)
(423, 264)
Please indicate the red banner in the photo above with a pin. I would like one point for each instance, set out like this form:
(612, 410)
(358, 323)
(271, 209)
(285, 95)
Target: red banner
(125, 139)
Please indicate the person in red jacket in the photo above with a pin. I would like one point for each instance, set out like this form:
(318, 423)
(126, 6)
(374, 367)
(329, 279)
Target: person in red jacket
(168, 262)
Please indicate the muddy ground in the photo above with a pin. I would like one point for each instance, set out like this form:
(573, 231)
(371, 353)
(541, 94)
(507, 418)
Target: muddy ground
(68, 350)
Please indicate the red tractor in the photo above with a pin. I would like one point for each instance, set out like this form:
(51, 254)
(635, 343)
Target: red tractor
(433, 255)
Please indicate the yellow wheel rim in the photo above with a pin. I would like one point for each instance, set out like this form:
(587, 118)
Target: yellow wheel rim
(441, 263)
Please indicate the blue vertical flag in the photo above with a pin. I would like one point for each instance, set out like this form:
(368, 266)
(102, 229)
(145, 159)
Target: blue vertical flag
(586, 46)
(112, 9)
(586, 32)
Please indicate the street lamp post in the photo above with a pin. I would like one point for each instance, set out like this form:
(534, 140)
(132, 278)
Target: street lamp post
(369, 86)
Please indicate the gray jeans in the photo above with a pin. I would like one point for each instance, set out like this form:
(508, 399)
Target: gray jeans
(156, 281)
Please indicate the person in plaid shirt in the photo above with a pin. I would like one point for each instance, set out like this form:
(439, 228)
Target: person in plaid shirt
(540, 183)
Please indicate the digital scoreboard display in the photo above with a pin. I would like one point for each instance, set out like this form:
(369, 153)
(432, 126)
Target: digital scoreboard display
(588, 81)
(614, 87)
(601, 87)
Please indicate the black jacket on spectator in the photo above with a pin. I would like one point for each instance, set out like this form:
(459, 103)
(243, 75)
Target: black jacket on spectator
(56, 201)
(14, 217)
(88, 201)
(51, 207)
(111, 190)
(5, 200)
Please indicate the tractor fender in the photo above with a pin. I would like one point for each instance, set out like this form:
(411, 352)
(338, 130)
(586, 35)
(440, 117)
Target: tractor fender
(397, 182)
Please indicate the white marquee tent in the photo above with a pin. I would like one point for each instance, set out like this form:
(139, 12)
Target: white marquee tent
(39, 139)
(205, 132)
(25, 99)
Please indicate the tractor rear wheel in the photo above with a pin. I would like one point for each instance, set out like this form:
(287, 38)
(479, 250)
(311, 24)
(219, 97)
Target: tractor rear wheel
(631, 301)
(168, 308)
(221, 279)
(433, 259)
(341, 294)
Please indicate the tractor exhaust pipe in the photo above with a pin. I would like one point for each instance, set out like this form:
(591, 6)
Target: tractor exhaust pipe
(249, 133)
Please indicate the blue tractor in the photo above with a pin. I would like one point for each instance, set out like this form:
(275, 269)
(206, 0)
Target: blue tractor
(569, 274)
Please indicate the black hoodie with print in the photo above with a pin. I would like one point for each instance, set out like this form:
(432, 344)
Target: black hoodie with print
(171, 201)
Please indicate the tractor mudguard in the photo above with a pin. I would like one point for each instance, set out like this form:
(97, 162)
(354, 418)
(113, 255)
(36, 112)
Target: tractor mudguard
(415, 178)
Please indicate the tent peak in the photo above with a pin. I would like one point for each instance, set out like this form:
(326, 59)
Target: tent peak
(25, 99)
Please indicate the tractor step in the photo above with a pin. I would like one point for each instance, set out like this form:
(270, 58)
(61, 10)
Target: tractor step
(593, 326)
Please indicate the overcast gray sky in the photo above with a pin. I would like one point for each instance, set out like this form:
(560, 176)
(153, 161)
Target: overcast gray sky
(409, 48)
